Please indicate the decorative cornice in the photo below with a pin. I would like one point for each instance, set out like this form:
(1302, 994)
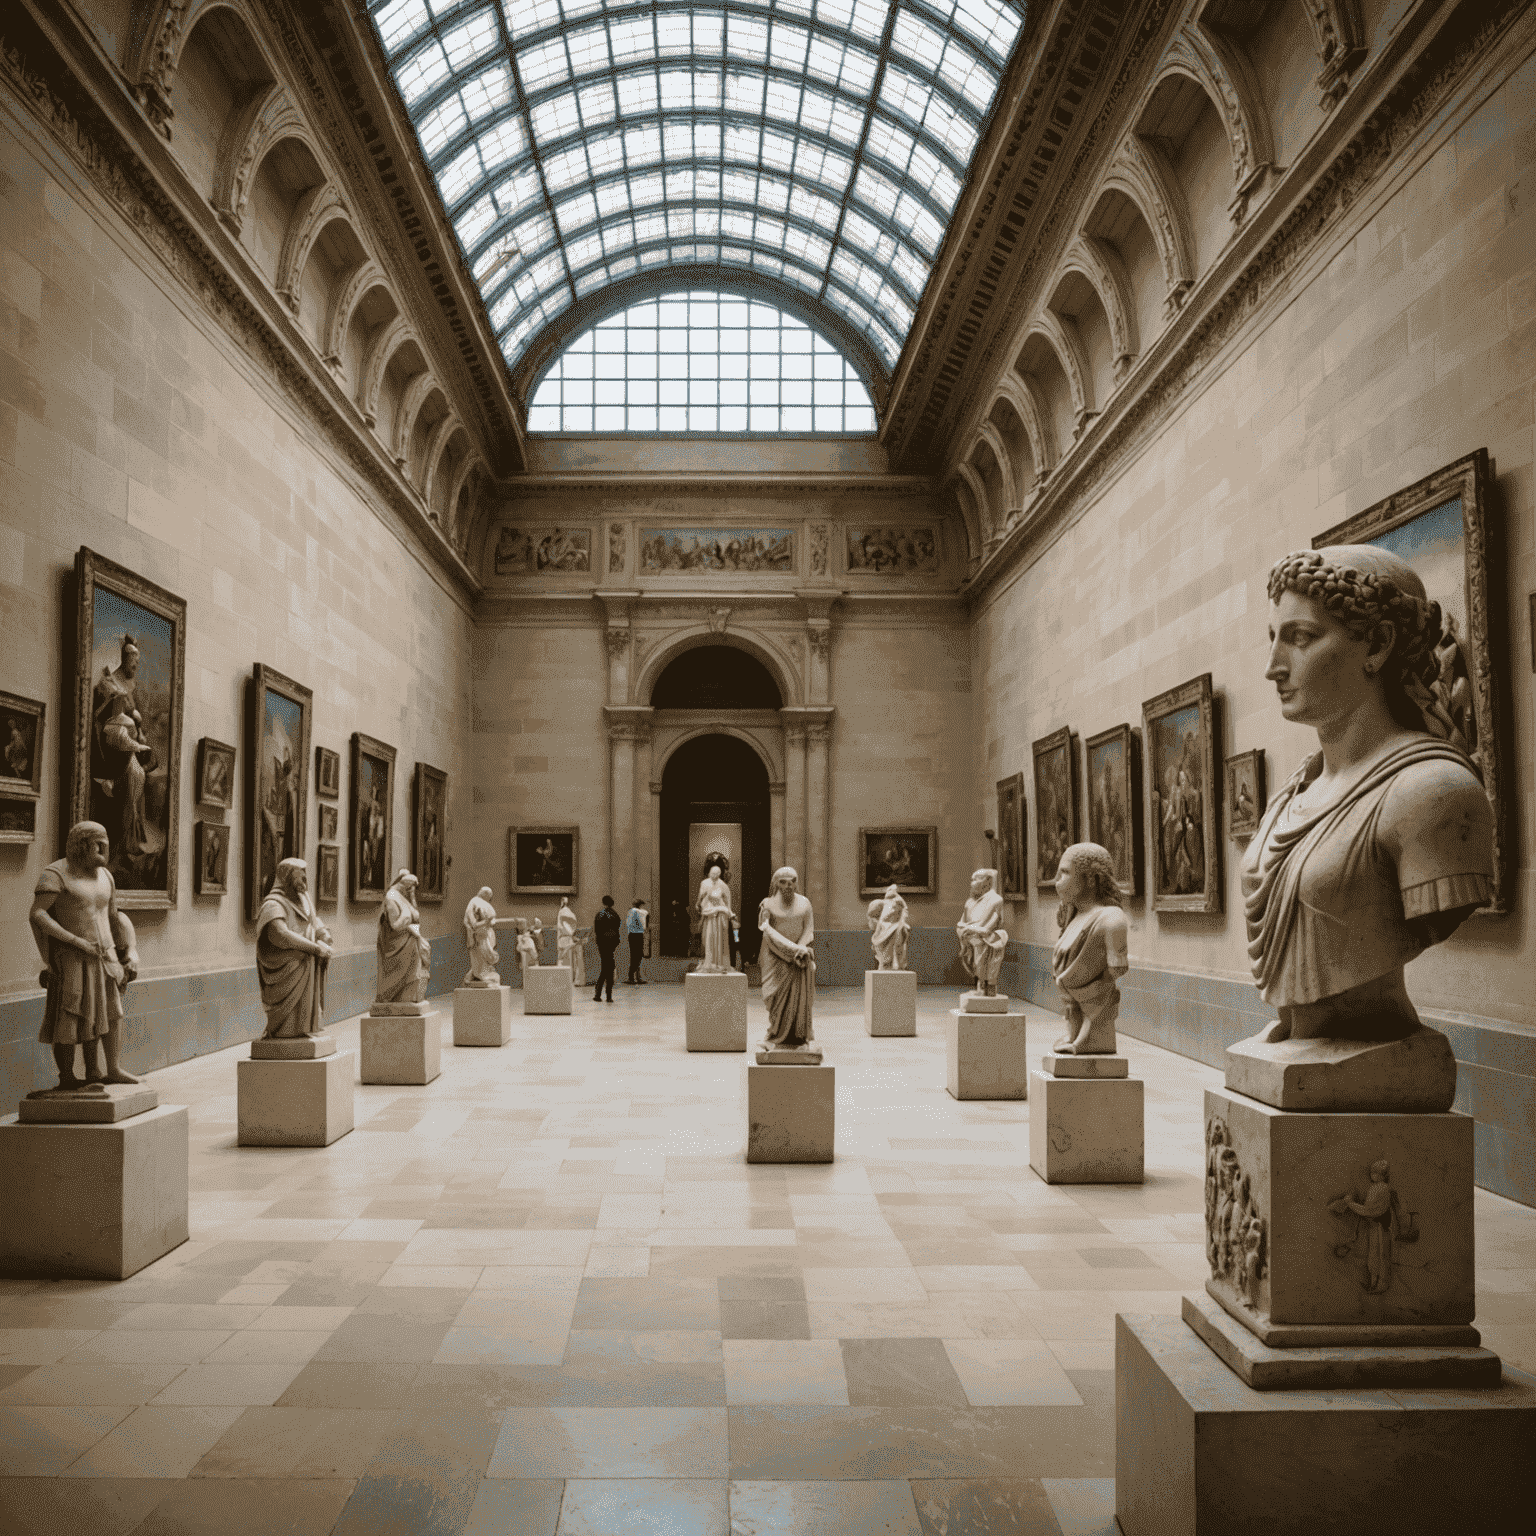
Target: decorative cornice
(629, 722)
(623, 484)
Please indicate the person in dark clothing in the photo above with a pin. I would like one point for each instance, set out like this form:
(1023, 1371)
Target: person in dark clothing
(605, 930)
(634, 926)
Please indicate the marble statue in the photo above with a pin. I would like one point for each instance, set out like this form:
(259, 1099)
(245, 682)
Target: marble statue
(715, 923)
(565, 934)
(480, 925)
(90, 956)
(527, 947)
(293, 948)
(405, 958)
(982, 939)
(789, 971)
(1091, 955)
(889, 930)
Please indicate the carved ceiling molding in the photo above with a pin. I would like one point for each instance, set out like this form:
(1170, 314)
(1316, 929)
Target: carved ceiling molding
(49, 91)
(622, 485)
(1417, 97)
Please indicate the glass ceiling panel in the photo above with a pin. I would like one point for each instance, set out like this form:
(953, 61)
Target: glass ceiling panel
(820, 142)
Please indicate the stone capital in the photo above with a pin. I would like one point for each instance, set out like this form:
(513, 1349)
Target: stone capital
(807, 722)
(628, 722)
(617, 638)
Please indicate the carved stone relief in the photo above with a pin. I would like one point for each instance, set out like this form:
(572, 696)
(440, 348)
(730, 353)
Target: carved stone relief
(1236, 1234)
(1379, 1222)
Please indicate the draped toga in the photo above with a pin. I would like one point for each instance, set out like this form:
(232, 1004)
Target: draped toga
(84, 1002)
(292, 980)
(788, 987)
(1080, 966)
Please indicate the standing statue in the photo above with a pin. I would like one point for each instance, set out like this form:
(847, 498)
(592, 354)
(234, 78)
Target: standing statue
(890, 930)
(405, 958)
(788, 967)
(292, 951)
(527, 948)
(1090, 956)
(565, 933)
(715, 923)
(982, 940)
(89, 958)
(480, 925)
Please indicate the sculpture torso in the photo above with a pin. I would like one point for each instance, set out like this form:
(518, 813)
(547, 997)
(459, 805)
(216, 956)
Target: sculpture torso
(82, 903)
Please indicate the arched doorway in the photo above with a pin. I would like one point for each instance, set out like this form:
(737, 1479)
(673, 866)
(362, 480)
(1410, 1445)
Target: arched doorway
(714, 782)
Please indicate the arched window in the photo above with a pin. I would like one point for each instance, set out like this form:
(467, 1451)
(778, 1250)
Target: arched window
(701, 362)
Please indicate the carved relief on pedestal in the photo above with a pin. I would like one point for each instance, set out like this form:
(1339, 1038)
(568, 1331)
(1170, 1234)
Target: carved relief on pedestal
(820, 544)
(1236, 1234)
(1379, 1223)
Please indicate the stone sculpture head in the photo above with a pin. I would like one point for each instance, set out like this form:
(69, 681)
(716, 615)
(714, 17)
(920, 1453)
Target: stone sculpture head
(1085, 877)
(291, 878)
(784, 883)
(485, 893)
(981, 882)
(405, 881)
(87, 846)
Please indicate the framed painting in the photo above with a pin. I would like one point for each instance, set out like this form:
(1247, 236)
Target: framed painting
(327, 773)
(330, 822)
(210, 868)
(215, 774)
(1245, 792)
(18, 818)
(1112, 760)
(1011, 839)
(1439, 525)
(1055, 803)
(277, 778)
(328, 874)
(130, 663)
(1183, 818)
(906, 857)
(543, 861)
(21, 764)
(428, 833)
(371, 834)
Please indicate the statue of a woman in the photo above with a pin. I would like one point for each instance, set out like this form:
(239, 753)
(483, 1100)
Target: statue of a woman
(1090, 956)
(715, 923)
(983, 939)
(527, 948)
(889, 930)
(789, 969)
(565, 935)
(480, 925)
(293, 949)
(405, 958)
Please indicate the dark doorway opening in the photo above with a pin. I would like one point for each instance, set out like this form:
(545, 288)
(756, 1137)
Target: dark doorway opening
(712, 779)
(716, 677)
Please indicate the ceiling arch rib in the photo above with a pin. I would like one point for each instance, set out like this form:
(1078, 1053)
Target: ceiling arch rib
(577, 143)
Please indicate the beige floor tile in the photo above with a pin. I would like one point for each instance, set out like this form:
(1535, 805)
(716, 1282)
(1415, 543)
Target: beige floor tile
(156, 1442)
(148, 1347)
(890, 1285)
(1010, 1373)
(42, 1441)
(824, 1509)
(611, 1442)
(95, 1385)
(41, 1346)
(784, 1371)
(229, 1385)
(324, 1443)
(252, 1295)
(300, 1319)
(165, 1317)
(270, 1348)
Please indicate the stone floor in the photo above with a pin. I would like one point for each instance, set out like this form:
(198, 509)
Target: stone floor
(546, 1294)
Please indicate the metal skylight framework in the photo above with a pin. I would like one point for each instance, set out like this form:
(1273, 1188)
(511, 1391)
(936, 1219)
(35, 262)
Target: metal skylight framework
(576, 143)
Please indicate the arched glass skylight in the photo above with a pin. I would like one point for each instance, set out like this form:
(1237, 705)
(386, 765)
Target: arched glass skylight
(821, 143)
(701, 362)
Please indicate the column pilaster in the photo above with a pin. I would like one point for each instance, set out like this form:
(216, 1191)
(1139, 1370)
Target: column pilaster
(629, 728)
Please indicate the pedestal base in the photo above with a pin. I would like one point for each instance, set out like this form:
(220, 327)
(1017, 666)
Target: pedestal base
(984, 1055)
(1415, 1075)
(790, 1114)
(401, 1048)
(547, 989)
(115, 1102)
(1085, 1130)
(1056, 1065)
(715, 1011)
(295, 1103)
(482, 1015)
(93, 1202)
(1197, 1453)
(293, 1047)
(890, 1002)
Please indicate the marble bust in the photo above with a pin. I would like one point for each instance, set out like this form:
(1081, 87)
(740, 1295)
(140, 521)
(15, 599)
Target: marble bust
(480, 925)
(982, 938)
(293, 948)
(405, 958)
(715, 923)
(1091, 954)
(889, 930)
(789, 972)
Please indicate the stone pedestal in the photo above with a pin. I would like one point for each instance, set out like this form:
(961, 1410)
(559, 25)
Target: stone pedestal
(547, 989)
(401, 1048)
(482, 1015)
(790, 1114)
(984, 1050)
(293, 1048)
(105, 1106)
(715, 1011)
(1086, 1130)
(93, 1201)
(295, 1103)
(1198, 1453)
(890, 1002)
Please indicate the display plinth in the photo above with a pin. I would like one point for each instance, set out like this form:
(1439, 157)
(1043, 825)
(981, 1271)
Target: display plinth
(547, 989)
(1059, 1065)
(791, 1114)
(295, 1103)
(482, 1015)
(1085, 1130)
(890, 1002)
(93, 1202)
(401, 1048)
(715, 1011)
(984, 1054)
(1198, 1453)
(293, 1047)
(105, 1105)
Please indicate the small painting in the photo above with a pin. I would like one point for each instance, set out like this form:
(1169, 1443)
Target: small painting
(1114, 796)
(330, 821)
(543, 551)
(543, 861)
(1055, 803)
(18, 818)
(327, 773)
(371, 835)
(215, 773)
(429, 833)
(906, 857)
(1011, 868)
(893, 551)
(210, 870)
(130, 638)
(1183, 820)
(277, 777)
(21, 728)
(664, 550)
(1245, 792)
(328, 874)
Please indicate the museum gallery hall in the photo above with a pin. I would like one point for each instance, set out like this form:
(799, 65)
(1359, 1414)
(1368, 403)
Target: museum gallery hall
(767, 768)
